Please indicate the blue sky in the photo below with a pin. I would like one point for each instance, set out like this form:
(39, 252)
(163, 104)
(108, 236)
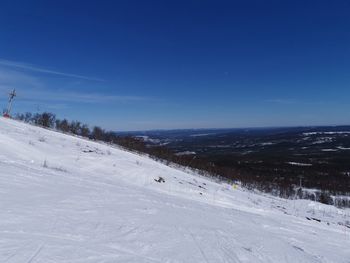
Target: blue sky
(136, 65)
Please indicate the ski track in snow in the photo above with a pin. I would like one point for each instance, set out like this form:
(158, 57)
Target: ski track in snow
(67, 199)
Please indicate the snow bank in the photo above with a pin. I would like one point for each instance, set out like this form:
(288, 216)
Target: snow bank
(66, 199)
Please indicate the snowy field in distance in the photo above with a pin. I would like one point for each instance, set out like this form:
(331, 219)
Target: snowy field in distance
(66, 199)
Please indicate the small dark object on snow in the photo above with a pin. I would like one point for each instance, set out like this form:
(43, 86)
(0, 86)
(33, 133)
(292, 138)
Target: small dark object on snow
(312, 218)
(318, 220)
(160, 180)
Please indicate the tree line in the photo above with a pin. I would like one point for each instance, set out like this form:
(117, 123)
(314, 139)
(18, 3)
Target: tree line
(49, 120)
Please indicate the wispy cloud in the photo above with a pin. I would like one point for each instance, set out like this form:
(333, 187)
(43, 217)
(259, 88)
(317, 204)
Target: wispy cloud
(9, 77)
(62, 96)
(34, 89)
(30, 67)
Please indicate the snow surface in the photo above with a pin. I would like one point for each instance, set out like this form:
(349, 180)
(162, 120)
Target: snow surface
(299, 164)
(185, 153)
(328, 133)
(67, 199)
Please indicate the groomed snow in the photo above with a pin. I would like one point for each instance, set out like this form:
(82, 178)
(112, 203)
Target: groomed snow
(66, 199)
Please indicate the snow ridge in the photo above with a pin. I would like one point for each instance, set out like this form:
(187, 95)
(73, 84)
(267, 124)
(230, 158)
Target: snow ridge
(67, 199)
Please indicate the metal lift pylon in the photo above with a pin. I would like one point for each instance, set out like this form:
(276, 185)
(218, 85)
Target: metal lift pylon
(7, 111)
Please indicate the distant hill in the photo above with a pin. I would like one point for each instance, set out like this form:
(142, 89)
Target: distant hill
(270, 154)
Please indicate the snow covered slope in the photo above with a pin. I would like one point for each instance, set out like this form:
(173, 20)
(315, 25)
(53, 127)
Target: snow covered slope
(66, 199)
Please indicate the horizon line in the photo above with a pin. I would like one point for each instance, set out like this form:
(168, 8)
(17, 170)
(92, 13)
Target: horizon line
(236, 128)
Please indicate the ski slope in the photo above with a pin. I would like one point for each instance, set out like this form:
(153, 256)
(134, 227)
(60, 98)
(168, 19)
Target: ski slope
(67, 199)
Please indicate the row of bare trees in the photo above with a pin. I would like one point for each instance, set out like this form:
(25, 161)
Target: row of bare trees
(49, 120)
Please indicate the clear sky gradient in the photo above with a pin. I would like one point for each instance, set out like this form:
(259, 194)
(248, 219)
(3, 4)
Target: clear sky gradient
(136, 65)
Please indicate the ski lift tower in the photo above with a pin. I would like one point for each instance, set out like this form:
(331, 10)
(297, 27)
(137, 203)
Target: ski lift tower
(7, 111)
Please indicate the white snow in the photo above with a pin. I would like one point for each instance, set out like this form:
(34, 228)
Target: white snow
(154, 141)
(201, 134)
(323, 140)
(185, 153)
(148, 139)
(267, 143)
(327, 133)
(67, 199)
(299, 164)
(343, 148)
